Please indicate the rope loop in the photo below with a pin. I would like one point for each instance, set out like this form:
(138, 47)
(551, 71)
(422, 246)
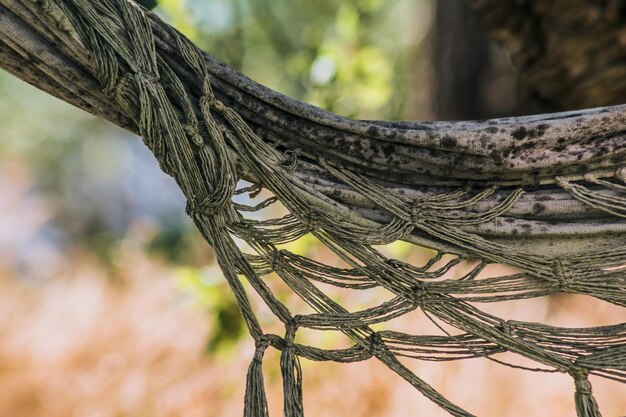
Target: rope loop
(290, 160)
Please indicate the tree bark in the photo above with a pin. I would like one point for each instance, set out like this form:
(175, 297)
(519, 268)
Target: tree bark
(571, 52)
(474, 78)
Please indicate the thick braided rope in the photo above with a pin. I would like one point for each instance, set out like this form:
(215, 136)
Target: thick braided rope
(207, 147)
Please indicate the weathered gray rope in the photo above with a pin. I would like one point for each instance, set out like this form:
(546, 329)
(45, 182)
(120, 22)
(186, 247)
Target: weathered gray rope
(543, 194)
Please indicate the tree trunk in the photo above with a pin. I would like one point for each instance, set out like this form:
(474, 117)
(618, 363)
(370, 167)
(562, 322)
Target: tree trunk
(473, 75)
(571, 52)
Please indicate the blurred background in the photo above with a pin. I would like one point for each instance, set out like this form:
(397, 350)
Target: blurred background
(111, 304)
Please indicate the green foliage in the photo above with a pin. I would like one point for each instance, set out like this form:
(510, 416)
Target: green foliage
(213, 296)
(336, 55)
(173, 241)
(228, 327)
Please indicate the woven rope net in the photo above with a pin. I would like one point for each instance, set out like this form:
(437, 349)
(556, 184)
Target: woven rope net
(545, 195)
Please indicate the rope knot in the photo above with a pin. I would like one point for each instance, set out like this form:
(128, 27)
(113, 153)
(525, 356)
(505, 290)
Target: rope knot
(563, 183)
(208, 207)
(583, 386)
(217, 105)
(562, 273)
(192, 132)
(210, 101)
(418, 211)
(589, 177)
(278, 261)
(312, 219)
(290, 330)
(508, 328)
(205, 101)
(419, 294)
(147, 76)
(376, 344)
(261, 344)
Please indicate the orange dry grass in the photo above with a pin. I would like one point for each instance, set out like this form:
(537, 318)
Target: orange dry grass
(80, 346)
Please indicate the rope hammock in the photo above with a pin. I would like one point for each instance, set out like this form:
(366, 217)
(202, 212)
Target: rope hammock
(545, 195)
